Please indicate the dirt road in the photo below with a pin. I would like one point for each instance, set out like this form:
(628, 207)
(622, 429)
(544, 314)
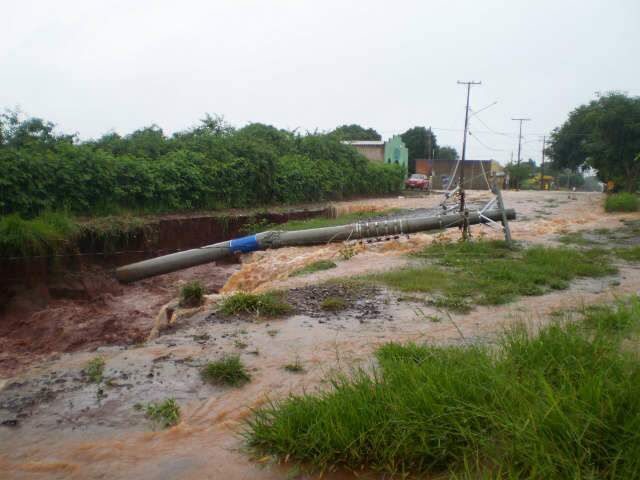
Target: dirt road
(56, 424)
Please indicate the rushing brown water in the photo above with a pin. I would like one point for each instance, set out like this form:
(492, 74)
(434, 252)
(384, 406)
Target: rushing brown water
(79, 434)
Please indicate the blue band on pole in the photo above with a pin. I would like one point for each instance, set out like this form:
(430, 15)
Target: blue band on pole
(244, 244)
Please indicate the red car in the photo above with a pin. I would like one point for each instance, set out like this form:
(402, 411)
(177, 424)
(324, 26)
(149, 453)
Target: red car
(417, 180)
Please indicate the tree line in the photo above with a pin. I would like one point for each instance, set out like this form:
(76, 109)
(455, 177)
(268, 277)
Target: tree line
(210, 166)
(604, 135)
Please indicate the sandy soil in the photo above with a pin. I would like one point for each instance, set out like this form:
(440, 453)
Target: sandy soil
(57, 425)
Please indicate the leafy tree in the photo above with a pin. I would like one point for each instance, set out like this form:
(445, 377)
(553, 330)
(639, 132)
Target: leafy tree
(519, 174)
(447, 153)
(604, 135)
(421, 143)
(355, 132)
(31, 133)
(214, 125)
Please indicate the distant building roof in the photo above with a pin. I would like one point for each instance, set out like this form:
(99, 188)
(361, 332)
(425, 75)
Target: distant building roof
(364, 143)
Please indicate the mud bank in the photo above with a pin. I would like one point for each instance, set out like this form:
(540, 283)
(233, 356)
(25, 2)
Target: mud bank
(62, 304)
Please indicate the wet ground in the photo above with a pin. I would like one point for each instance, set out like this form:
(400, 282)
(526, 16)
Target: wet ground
(85, 311)
(58, 424)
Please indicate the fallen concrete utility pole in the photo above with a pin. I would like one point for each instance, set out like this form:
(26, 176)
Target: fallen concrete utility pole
(313, 236)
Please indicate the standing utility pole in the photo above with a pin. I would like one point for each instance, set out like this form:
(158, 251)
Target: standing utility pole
(520, 135)
(544, 140)
(465, 224)
(517, 182)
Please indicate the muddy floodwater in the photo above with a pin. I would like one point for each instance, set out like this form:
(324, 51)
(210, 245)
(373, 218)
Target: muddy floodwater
(58, 424)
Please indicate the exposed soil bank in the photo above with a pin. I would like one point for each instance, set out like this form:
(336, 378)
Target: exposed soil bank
(72, 302)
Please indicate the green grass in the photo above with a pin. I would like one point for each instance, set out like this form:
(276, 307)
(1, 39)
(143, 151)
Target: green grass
(345, 219)
(229, 370)
(575, 238)
(51, 233)
(488, 273)
(452, 302)
(318, 266)
(268, 304)
(334, 304)
(166, 413)
(191, 294)
(95, 369)
(631, 254)
(621, 202)
(47, 234)
(564, 403)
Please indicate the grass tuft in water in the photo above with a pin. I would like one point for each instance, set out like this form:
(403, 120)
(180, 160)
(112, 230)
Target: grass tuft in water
(562, 403)
(269, 304)
(166, 413)
(227, 371)
(191, 294)
(294, 367)
(334, 304)
(95, 369)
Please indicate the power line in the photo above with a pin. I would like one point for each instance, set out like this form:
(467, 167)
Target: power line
(491, 130)
(475, 137)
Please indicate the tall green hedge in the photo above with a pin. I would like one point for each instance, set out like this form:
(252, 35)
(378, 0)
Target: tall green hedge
(208, 167)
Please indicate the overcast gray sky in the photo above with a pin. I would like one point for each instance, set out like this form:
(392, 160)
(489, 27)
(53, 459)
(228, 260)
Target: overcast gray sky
(94, 66)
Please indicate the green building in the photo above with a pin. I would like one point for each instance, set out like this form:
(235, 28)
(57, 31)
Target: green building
(396, 152)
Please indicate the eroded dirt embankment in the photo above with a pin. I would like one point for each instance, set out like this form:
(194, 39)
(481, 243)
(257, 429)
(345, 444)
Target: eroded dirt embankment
(66, 427)
(72, 302)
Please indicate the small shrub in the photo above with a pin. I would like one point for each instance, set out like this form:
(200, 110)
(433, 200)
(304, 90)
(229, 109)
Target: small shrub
(621, 202)
(191, 294)
(295, 367)
(333, 304)
(318, 266)
(348, 251)
(227, 371)
(269, 304)
(166, 413)
(95, 369)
